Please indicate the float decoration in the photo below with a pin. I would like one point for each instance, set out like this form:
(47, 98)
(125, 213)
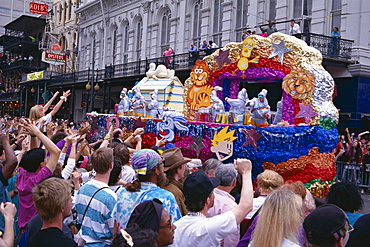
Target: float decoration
(279, 50)
(306, 112)
(223, 57)
(172, 121)
(197, 144)
(222, 144)
(252, 137)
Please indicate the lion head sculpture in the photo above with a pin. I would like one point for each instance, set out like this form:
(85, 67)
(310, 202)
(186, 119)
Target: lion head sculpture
(300, 84)
(199, 73)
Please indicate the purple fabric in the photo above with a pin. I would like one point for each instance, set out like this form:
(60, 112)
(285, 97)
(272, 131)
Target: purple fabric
(248, 235)
(288, 108)
(262, 74)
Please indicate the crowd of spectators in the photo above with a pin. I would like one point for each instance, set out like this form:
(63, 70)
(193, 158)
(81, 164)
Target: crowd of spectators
(58, 189)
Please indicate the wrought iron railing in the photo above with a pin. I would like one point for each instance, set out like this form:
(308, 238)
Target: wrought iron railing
(329, 47)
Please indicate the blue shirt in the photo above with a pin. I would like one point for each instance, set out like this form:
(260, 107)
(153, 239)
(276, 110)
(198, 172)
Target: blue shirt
(193, 49)
(127, 201)
(97, 226)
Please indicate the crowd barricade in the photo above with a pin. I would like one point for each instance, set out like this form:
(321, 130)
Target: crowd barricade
(358, 174)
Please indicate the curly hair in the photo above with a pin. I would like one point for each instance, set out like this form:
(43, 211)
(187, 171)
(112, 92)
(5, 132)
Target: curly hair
(346, 196)
(140, 237)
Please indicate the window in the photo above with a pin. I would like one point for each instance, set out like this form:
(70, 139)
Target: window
(241, 17)
(336, 12)
(272, 13)
(217, 22)
(114, 45)
(197, 22)
(125, 40)
(165, 29)
(297, 9)
(139, 38)
(303, 9)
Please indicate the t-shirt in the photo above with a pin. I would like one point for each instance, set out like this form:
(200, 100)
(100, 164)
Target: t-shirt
(97, 226)
(4, 197)
(52, 236)
(201, 231)
(127, 201)
(25, 183)
(47, 118)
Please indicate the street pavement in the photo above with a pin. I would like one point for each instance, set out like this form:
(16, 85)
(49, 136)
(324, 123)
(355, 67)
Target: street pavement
(366, 197)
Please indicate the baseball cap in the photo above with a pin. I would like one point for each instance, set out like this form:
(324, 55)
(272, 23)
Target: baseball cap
(198, 186)
(322, 226)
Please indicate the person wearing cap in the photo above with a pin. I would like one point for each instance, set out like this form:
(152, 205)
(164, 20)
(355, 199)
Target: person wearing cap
(260, 109)
(151, 215)
(195, 229)
(223, 200)
(96, 201)
(149, 168)
(326, 226)
(174, 167)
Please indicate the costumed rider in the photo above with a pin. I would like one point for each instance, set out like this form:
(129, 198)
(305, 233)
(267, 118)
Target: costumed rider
(124, 104)
(279, 112)
(260, 109)
(153, 105)
(217, 105)
(138, 103)
(237, 106)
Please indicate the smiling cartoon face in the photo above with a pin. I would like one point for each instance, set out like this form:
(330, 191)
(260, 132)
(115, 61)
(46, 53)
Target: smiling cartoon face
(223, 150)
(199, 73)
(300, 84)
(223, 145)
(247, 47)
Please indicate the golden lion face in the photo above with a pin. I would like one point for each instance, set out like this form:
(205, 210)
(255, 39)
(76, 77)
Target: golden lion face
(300, 84)
(199, 73)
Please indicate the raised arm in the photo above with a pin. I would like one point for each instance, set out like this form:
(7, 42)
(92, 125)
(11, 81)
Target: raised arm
(8, 210)
(244, 166)
(49, 145)
(47, 105)
(11, 161)
(60, 102)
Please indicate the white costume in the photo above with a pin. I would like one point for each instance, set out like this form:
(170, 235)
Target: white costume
(279, 111)
(260, 111)
(124, 104)
(138, 100)
(237, 106)
(153, 105)
(217, 103)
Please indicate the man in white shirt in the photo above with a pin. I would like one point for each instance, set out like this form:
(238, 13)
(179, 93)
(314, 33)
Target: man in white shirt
(195, 229)
(294, 28)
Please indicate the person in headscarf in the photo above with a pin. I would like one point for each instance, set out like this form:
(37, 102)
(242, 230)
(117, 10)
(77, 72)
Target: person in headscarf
(124, 104)
(151, 215)
(138, 103)
(237, 106)
(153, 105)
(217, 104)
(260, 109)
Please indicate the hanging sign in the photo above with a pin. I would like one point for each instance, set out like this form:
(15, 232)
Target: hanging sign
(39, 8)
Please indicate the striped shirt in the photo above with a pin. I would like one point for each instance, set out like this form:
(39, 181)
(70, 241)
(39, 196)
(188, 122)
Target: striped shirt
(97, 226)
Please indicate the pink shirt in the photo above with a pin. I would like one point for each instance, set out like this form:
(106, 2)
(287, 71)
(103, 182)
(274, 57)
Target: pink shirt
(25, 183)
(224, 202)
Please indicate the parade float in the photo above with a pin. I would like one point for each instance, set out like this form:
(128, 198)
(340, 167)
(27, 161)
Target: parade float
(219, 120)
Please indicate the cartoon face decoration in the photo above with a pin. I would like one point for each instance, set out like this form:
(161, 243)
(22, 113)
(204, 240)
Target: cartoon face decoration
(300, 84)
(247, 47)
(223, 145)
(199, 73)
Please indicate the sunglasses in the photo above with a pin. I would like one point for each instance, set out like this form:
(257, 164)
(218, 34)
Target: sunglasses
(168, 226)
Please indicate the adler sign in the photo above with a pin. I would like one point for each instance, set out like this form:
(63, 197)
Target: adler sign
(39, 8)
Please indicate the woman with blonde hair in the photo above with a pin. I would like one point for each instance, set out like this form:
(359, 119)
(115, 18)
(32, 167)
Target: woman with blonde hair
(280, 221)
(267, 181)
(37, 112)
